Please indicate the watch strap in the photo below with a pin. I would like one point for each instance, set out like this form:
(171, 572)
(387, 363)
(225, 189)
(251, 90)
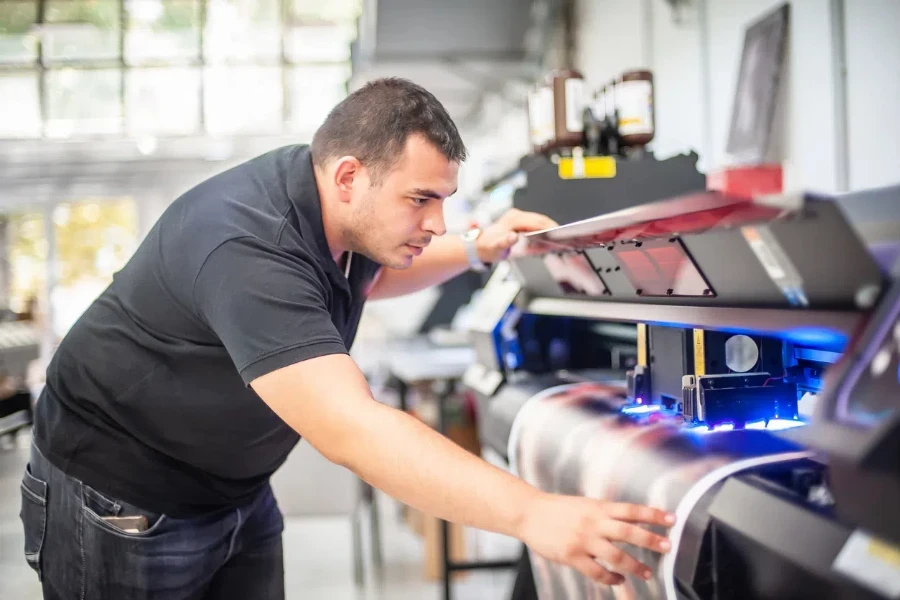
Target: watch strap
(469, 239)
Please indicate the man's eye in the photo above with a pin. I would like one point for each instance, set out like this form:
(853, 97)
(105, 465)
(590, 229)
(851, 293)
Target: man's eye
(420, 201)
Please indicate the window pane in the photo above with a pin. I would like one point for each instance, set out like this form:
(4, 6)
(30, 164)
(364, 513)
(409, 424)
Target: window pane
(242, 30)
(320, 43)
(81, 30)
(314, 92)
(94, 239)
(162, 30)
(27, 259)
(163, 100)
(243, 99)
(16, 19)
(83, 102)
(20, 116)
(324, 11)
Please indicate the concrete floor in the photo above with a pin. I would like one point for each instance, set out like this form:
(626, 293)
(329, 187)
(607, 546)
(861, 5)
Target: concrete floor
(324, 572)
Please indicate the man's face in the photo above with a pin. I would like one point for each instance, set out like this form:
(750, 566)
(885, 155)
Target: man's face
(393, 222)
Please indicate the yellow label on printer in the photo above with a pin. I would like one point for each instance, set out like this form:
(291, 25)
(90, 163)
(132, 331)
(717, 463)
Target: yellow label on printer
(642, 344)
(699, 353)
(587, 167)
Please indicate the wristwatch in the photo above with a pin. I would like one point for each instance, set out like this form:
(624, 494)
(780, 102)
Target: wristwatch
(468, 239)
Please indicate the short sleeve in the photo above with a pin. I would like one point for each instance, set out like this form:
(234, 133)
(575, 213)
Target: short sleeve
(267, 307)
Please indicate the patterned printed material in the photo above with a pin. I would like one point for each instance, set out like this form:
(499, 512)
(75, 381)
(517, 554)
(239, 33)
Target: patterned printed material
(577, 439)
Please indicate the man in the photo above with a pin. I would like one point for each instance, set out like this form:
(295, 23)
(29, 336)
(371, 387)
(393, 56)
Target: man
(224, 340)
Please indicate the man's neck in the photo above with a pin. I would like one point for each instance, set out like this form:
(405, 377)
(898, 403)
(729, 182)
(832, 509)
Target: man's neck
(330, 222)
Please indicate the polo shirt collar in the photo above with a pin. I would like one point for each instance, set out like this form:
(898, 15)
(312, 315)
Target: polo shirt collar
(304, 195)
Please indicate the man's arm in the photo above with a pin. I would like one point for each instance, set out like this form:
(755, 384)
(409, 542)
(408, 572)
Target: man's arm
(445, 257)
(327, 401)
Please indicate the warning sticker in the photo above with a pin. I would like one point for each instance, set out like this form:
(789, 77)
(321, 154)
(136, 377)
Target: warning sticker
(870, 562)
(775, 261)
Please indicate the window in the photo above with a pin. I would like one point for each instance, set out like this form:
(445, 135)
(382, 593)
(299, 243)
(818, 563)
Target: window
(317, 11)
(27, 251)
(20, 118)
(314, 91)
(109, 68)
(83, 102)
(329, 42)
(163, 100)
(81, 30)
(243, 99)
(18, 40)
(242, 31)
(162, 30)
(94, 239)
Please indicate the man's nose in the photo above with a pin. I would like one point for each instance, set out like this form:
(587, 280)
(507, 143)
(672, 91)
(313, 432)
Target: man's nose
(434, 222)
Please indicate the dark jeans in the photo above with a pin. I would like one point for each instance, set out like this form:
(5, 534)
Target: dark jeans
(234, 553)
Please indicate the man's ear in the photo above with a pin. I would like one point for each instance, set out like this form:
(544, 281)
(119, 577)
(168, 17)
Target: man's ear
(347, 172)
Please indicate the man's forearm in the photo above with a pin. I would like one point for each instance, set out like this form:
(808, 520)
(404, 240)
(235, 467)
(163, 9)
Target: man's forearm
(443, 259)
(328, 401)
(405, 458)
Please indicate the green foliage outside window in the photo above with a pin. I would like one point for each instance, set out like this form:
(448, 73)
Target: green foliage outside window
(93, 240)
(101, 13)
(17, 18)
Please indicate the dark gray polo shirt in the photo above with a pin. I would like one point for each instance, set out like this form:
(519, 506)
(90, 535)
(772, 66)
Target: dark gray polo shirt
(147, 397)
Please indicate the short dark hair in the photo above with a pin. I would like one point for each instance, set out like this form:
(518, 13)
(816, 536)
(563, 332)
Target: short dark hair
(374, 122)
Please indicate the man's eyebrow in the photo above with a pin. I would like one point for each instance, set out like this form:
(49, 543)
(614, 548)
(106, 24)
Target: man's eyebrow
(429, 193)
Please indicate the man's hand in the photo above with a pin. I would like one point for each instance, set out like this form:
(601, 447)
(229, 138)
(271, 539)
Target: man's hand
(579, 532)
(496, 240)
(445, 257)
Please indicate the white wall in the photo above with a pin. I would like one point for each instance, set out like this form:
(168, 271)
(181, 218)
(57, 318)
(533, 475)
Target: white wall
(676, 63)
(609, 39)
(695, 61)
(806, 139)
(873, 91)
(811, 118)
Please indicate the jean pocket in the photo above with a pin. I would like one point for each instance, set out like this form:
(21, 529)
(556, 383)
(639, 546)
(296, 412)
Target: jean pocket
(98, 508)
(33, 514)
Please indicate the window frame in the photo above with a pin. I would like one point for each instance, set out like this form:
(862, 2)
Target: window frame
(287, 23)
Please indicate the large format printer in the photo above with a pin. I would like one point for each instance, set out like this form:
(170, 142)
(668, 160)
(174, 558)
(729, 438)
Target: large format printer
(734, 360)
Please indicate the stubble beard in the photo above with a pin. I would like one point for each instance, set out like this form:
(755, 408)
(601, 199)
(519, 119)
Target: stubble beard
(362, 237)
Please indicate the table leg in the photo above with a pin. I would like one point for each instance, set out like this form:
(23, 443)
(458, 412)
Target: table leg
(448, 565)
(403, 391)
(445, 528)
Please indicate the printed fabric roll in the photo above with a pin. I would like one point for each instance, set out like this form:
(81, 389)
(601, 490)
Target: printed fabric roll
(576, 439)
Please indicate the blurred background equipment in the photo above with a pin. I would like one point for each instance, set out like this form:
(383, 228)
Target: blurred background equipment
(712, 328)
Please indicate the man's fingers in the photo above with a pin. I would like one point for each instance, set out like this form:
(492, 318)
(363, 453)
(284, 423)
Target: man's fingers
(519, 220)
(617, 559)
(632, 534)
(635, 513)
(589, 568)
